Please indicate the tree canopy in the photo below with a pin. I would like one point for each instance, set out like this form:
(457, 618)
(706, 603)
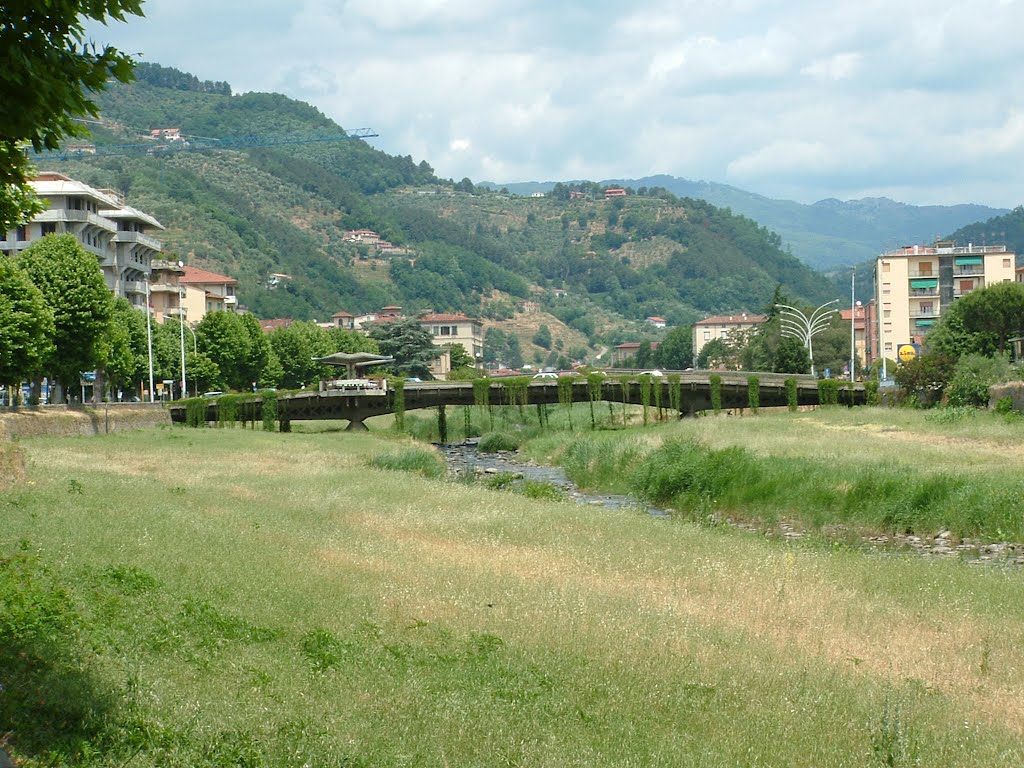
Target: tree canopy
(49, 72)
(409, 343)
(26, 325)
(72, 285)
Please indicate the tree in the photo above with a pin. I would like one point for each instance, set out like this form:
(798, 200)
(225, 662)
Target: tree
(676, 350)
(925, 378)
(409, 343)
(26, 326)
(223, 338)
(48, 74)
(72, 284)
(713, 354)
(460, 358)
(119, 357)
(542, 338)
(996, 310)
(295, 347)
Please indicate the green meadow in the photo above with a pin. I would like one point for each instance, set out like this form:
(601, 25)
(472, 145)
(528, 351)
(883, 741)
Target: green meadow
(225, 597)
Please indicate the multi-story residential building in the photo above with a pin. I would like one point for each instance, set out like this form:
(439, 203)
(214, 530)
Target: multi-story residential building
(722, 327)
(207, 292)
(165, 289)
(133, 251)
(916, 284)
(116, 234)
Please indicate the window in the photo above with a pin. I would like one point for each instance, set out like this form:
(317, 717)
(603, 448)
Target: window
(1006, 263)
(885, 266)
(887, 313)
(707, 335)
(48, 228)
(966, 286)
(22, 233)
(924, 268)
(925, 308)
(445, 330)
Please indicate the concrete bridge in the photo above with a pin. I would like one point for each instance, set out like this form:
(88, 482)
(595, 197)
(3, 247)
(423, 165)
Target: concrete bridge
(694, 396)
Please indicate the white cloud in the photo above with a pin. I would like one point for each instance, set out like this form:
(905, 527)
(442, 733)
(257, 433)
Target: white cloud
(783, 97)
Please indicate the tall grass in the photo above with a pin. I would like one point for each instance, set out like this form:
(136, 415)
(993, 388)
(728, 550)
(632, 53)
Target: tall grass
(237, 597)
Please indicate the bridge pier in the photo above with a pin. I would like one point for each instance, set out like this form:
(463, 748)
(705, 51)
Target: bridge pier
(356, 425)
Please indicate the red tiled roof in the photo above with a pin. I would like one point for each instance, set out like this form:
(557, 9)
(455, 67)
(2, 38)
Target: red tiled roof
(342, 314)
(273, 325)
(443, 318)
(737, 319)
(201, 276)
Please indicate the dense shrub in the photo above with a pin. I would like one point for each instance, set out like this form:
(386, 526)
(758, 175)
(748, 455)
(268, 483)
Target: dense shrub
(972, 377)
(498, 441)
(420, 461)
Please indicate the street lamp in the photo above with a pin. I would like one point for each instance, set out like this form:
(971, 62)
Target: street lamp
(149, 340)
(797, 324)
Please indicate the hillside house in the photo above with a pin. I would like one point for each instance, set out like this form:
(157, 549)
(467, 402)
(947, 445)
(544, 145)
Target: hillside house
(207, 292)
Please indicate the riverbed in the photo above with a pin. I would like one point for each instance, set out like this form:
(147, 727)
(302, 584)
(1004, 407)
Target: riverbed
(465, 461)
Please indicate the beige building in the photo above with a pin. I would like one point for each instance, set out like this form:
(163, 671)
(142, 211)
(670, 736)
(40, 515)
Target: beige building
(115, 233)
(722, 327)
(916, 284)
(206, 292)
(465, 331)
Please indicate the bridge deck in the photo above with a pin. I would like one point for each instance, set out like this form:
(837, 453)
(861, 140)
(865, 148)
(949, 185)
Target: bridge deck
(694, 396)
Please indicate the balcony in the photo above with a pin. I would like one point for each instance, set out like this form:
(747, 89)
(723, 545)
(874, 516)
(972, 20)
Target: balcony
(924, 314)
(922, 273)
(968, 270)
(138, 237)
(79, 217)
(164, 288)
(924, 292)
(134, 286)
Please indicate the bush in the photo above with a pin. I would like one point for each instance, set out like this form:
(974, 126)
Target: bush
(972, 377)
(498, 441)
(792, 399)
(753, 393)
(419, 461)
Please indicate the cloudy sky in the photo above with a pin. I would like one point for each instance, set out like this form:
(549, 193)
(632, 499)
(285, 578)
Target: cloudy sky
(918, 100)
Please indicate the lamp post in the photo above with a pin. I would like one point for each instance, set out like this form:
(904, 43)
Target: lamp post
(853, 323)
(797, 324)
(181, 334)
(149, 341)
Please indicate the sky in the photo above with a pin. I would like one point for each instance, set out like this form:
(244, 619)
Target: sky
(921, 101)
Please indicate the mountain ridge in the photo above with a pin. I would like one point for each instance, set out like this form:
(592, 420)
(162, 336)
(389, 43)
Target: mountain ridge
(826, 234)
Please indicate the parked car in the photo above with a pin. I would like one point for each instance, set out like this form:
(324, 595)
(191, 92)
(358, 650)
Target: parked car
(653, 372)
(545, 375)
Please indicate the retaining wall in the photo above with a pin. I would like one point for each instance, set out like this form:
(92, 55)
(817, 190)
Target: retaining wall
(1013, 390)
(67, 421)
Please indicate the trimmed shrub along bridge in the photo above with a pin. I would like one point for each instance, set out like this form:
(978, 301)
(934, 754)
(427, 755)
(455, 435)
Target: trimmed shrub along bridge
(684, 393)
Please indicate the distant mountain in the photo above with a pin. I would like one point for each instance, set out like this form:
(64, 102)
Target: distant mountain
(828, 234)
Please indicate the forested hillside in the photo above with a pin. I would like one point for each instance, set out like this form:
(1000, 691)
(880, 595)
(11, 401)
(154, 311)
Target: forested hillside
(830, 233)
(1007, 230)
(285, 210)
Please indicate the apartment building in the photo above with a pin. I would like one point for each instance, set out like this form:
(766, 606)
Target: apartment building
(116, 234)
(165, 289)
(722, 327)
(916, 284)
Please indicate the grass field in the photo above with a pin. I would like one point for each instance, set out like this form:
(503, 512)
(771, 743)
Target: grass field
(236, 598)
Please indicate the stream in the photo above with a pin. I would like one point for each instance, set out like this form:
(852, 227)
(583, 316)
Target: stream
(466, 461)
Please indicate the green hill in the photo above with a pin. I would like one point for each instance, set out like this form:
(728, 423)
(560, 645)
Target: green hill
(285, 210)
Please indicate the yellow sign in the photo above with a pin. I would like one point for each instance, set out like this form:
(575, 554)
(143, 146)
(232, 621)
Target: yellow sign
(906, 352)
